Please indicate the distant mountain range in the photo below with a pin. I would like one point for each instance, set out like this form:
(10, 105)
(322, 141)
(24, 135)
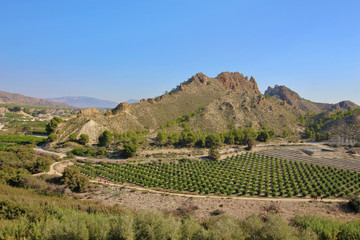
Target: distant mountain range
(61, 102)
(18, 99)
(85, 102)
(132, 101)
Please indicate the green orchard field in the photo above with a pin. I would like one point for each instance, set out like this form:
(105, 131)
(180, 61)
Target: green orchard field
(249, 174)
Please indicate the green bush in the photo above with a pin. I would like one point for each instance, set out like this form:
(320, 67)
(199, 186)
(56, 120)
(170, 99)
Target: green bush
(83, 139)
(72, 137)
(12, 176)
(129, 149)
(105, 138)
(354, 204)
(87, 152)
(52, 137)
(214, 154)
(74, 180)
(51, 126)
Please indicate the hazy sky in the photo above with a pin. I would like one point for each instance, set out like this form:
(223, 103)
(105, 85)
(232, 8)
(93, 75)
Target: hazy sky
(117, 50)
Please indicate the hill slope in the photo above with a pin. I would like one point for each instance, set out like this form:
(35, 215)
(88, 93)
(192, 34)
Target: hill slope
(345, 127)
(85, 102)
(228, 99)
(18, 99)
(293, 99)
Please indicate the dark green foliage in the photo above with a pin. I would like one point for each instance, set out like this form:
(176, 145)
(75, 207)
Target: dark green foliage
(51, 126)
(214, 153)
(357, 144)
(129, 149)
(74, 180)
(12, 176)
(263, 136)
(88, 151)
(188, 138)
(320, 137)
(327, 228)
(161, 138)
(72, 137)
(52, 137)
(14, 109)
(9, 209)
(213, 140)
(83, 139)
(17, 162)
(105, 138)
(249, 135)
(41, 164)
(22, 139)
(135, 137)
(354, 204)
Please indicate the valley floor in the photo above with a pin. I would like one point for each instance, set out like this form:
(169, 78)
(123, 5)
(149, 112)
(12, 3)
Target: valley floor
(202, 207)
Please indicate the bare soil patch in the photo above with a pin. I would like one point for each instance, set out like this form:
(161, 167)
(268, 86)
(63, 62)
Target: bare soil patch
(202, 208)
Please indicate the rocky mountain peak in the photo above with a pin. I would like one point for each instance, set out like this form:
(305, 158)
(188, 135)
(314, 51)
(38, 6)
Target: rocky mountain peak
(283, 93)
(200, 77)
(237, 81)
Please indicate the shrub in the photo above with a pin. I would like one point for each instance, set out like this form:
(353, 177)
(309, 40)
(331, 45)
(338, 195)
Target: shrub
(105, 138)
(354, 204)
(185, 210)
(74, 180)
(52, 137)
(51, 126)
(72, 137)
(214, 153)
(83, 139)
(226, 227)
(129, 149)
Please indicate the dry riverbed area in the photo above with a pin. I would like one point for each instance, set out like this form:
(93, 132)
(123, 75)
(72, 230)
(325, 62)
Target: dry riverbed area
(205, 207)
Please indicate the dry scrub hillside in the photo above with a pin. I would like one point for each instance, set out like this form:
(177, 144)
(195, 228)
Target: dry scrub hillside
(348, 127)
(228, 99)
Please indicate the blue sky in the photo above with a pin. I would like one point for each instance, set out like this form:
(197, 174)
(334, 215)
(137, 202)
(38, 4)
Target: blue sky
(117, 50)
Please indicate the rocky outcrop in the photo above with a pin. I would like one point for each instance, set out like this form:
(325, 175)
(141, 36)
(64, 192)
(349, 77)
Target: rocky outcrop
(237, 81)
(202, 78)
(283, 93)
(344, 105)
(293, 99)
(88, 112)
(121, 107)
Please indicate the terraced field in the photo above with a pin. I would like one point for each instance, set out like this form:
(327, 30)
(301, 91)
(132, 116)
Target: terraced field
(249, 174)
(298, 155)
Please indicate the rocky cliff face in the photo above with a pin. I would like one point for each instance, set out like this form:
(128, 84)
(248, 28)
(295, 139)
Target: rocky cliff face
(237, 81)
